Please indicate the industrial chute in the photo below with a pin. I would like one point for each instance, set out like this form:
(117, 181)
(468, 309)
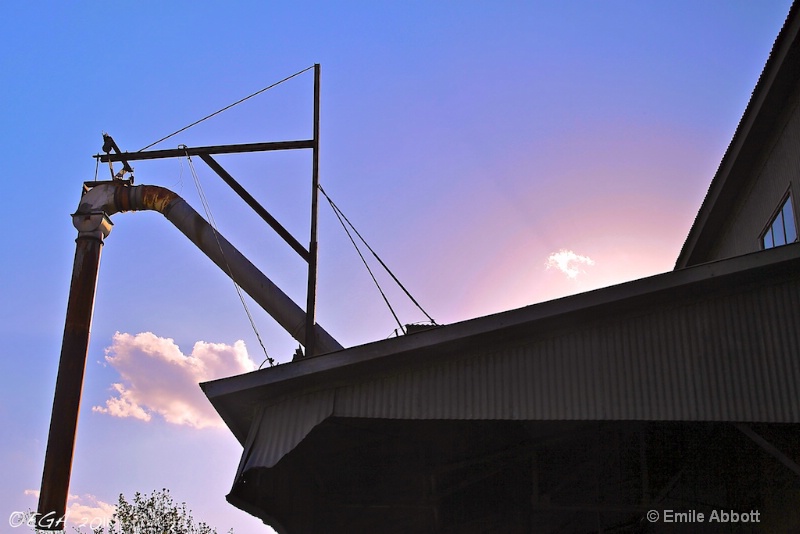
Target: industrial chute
(99, 201)
(112, 197)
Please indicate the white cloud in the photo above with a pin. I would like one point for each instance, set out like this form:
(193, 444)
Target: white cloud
(90, 512)
(157, 378)
(568, 262)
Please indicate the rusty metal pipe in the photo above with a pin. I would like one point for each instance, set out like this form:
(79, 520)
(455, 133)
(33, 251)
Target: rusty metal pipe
(92, 227)
(93, 224)
(116, 197)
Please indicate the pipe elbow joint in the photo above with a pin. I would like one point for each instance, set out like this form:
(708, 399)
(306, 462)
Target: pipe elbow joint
(94, 209)
(116, 197)
(106, 199)
(145, 197)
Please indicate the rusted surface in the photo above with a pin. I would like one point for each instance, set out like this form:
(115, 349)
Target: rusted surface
(140, 197)
(122, 199)
(116, 197)
(154, 198)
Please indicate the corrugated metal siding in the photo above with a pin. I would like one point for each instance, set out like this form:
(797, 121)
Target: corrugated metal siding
(781, 167)
(734, 357)
(277, 429)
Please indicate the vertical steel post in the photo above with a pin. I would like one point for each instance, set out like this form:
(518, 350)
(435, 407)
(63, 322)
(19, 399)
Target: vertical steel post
(311, 302)
(92, 229)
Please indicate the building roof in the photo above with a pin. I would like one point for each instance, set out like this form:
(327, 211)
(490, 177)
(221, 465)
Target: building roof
(236, 397)
(712, 343)
(625, 324)
(453, 406)
(778, 82)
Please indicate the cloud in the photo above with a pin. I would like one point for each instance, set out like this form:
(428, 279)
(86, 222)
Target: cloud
(89, 511)
(158, 379)
(568, 262)
(84, 511)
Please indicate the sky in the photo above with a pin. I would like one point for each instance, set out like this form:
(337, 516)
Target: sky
(494, 154)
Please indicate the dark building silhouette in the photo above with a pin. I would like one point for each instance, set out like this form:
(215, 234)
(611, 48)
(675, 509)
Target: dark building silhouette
(677, 394)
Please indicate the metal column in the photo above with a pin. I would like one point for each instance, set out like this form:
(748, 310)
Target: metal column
(311, 302)
(92, 229)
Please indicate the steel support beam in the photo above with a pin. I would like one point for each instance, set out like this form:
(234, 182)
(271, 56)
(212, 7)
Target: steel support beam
(253, 203)
(196, 151)
(311, 294)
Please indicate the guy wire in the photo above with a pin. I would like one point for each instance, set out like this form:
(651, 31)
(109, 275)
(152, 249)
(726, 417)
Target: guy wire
(227, 107)
(210, 217)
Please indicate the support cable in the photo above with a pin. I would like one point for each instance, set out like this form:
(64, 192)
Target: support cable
(380, 289)
(212, 222)
(340, 215)
(229, 106)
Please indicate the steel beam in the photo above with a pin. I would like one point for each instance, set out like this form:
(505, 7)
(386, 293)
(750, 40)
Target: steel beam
(311, 294)
(253, 203)
(196, 151)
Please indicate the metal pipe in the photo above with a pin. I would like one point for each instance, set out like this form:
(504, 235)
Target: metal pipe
(116, 197)
(92, 227)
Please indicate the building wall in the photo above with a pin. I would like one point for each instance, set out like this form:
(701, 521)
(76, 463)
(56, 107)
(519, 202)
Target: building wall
(777, 172)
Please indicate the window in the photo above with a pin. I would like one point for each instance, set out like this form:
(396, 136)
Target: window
(782, 229)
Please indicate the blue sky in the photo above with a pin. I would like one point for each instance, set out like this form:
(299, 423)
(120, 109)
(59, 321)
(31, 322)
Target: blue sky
(467, 141)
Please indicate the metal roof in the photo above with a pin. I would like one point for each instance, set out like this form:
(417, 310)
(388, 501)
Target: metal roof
(718, 341)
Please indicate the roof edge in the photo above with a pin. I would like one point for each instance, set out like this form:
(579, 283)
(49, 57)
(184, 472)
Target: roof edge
(232, 396)
(776, 71)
